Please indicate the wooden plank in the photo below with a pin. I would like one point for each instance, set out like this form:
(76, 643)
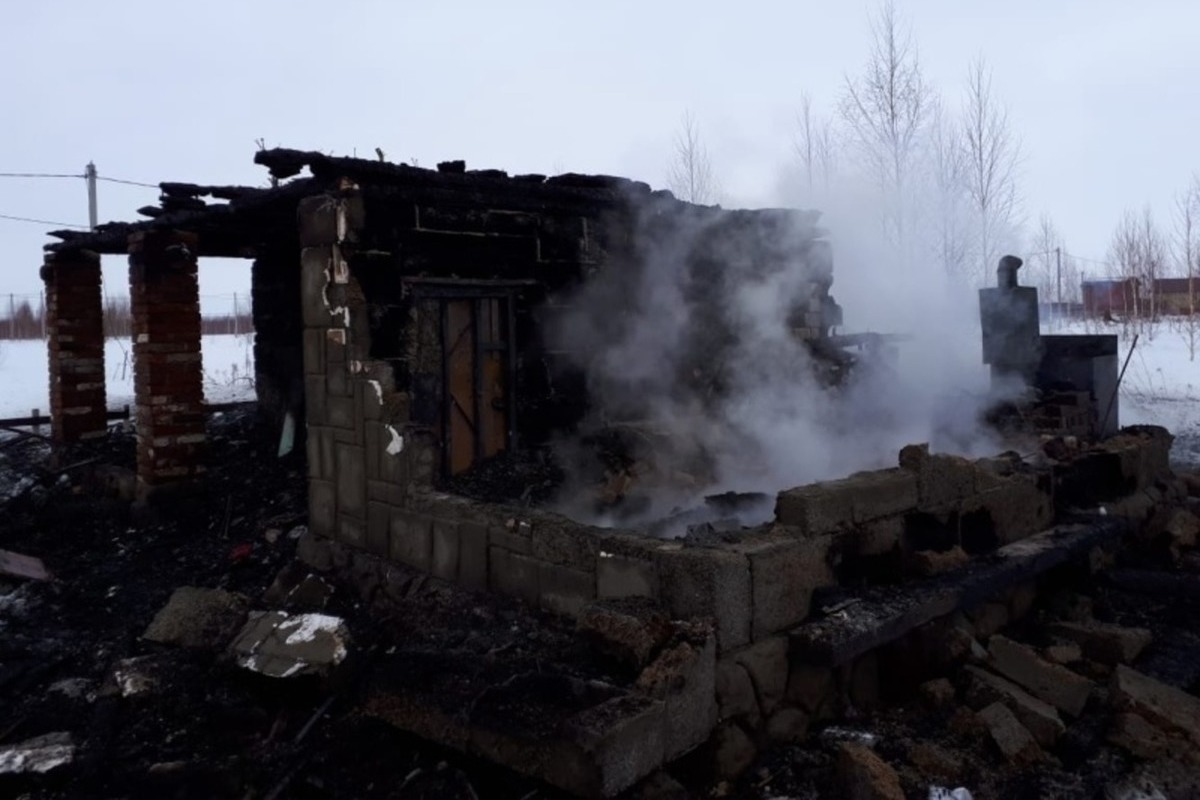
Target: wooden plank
(460, 392)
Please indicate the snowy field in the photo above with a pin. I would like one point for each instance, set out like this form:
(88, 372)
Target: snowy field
(228, 363)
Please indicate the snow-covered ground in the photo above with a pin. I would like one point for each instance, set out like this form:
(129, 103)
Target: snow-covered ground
(228, 363)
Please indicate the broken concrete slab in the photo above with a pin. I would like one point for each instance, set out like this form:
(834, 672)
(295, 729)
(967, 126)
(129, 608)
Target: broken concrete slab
(862, 775)
(198, 618)
(1040, 718)
(1105, 642)
(787, 726)
(618, 743)
(40, 754)
(1183, 531)
(1054, 684)
(1165, 707)
(1064, 654)
(17, 565)
(280, 645)
(629, 631)
(1014, 740)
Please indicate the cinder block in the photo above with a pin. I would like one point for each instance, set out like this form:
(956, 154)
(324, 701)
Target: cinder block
(563, 590)
(412, 540)
(314, 352)
(566, 543)
(516, 539)
(314, 266)
(1018, 509)
(351, 480)
(352, 532)
(708, 583)
(783, 573)
(445, 550)
(322, 507)
(513, 574)
(883, 493)
(391, 494)
(943, 480)
(473, 556)
(622, 576)
(818, 508)
(379, 521)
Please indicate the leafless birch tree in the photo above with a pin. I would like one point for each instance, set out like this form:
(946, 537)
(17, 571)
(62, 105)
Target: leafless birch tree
(947, 165)
(690, 176)
(815, 148)
(886, 109)
(1187, 257)
(993, 155)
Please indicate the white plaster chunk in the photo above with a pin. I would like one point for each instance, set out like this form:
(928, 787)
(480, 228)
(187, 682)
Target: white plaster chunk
(40, 754)
(396, 445)
(378, 387)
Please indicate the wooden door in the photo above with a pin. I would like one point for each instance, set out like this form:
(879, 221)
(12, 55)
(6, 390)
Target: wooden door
(476, 379)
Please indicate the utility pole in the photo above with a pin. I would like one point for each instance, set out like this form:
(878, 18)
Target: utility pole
(89, 173)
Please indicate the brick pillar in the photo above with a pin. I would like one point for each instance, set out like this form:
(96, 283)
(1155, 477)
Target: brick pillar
(75, 324)
(168, 386)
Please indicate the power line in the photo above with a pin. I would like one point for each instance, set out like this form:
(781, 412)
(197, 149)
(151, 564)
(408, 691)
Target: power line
(127, 182)
(42, 222)
(37, 175)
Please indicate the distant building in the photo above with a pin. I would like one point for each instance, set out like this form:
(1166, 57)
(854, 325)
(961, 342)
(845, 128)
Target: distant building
(1174, 297)
(1105, 298)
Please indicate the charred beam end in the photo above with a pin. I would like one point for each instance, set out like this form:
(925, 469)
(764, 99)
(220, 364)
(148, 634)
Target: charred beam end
(886, 614)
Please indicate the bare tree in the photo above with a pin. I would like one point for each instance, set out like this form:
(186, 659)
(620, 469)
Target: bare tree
(886, 109)
(690, 176)
(993, 154)
(814, 145)
(1044, 259)
(1187, 256)
(947, 173)
(1138, 252)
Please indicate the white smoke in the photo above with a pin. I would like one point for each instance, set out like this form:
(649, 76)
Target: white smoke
(688, 333)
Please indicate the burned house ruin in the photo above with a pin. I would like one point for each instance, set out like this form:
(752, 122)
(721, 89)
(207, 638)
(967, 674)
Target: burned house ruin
(435, 334)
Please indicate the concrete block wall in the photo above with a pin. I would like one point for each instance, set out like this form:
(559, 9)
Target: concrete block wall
(75, 329)
(931, 502)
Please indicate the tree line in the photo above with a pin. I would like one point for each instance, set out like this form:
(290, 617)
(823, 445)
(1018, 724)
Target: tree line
(944, 175)
(24, 320)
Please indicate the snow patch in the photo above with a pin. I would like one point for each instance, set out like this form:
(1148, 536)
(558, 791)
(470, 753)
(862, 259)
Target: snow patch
(396, 445)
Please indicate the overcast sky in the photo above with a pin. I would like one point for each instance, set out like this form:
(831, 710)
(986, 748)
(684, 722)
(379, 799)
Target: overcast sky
(1103, 93)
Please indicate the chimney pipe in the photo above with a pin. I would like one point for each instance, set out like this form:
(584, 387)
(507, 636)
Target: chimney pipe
(1006, 273)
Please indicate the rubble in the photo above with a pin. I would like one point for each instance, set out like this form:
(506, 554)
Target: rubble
(1107, 643)
(1014, 740)
(199, 618)
(1041, 719)
(279, 645)
(862, 775)
(40, 754)
(1171, 710)
(16, 565)
(630, 631)
(1051, 683)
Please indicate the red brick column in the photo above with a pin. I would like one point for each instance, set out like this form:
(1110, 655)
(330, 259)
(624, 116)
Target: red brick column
(168, 386)
(75, 324)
